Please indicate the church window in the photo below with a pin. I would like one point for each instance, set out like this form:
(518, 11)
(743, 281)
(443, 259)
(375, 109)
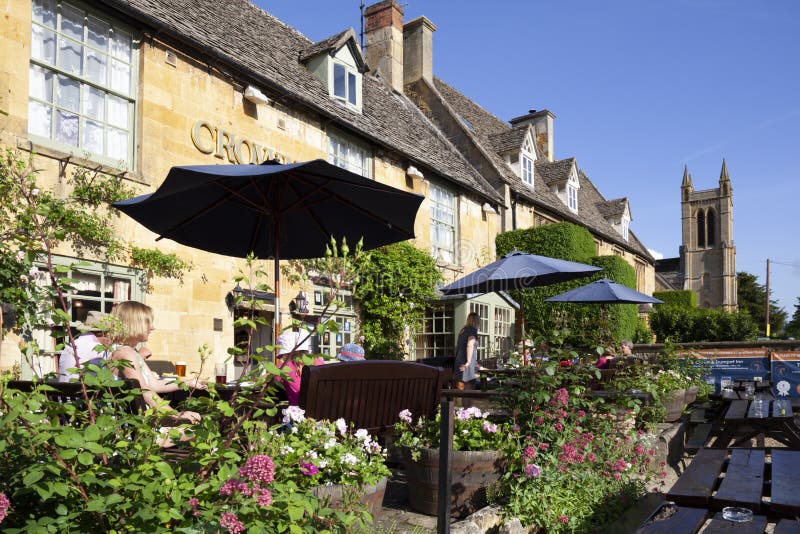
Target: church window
(701, 228)
(710, 230)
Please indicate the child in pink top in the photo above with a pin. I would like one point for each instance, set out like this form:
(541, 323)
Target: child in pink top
(292, 347)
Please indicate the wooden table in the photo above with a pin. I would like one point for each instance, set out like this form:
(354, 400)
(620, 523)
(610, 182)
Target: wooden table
(717, 478)
(743, 421)
(737, 391)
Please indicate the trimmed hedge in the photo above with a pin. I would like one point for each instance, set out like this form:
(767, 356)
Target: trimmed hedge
(574, 243)
(686, 325)
(685, 298)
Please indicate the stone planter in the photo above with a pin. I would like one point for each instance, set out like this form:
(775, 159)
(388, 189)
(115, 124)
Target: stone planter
(472, 472)
(371, 498)
(673, 404)
(691, 394)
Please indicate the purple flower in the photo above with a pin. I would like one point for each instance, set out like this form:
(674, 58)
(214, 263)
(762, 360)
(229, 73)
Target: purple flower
(259, 468)
(308, 469)
(491, 428)
(264, 498)
(4, 505)
(532, 471)
(231, 522)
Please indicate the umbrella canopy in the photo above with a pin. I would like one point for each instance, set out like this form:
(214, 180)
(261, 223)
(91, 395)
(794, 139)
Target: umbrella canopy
(519, 270)
(604, 291)
(274, 211)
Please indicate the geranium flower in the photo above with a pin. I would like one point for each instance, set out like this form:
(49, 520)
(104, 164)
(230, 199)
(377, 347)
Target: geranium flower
(293, 414)
(489, 427)
(406, 417)
(341, 426)
(532, 471)
(348, 458)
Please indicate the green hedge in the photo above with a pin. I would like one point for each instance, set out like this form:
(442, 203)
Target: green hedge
(685, 298)
(574, 243)
(686, 325)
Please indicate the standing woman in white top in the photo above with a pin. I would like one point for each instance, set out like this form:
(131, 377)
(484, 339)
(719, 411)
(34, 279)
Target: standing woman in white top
(135, 324)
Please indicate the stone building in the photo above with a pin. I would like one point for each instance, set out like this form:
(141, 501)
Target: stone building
(707, 261)
(135, 87)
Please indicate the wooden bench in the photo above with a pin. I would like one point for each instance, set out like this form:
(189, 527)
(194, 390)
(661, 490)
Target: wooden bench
(698, 438)
(371, 394)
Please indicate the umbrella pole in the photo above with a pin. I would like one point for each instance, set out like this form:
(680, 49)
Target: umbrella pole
(522, 325)
(277, 266)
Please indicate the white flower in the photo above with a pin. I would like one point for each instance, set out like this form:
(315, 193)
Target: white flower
(20, 255)
(330, 443)
(341, 426)
(23, 278)
(363, 435)
(295, 430)
(287, 450)
(322, 464)
(405, 416)
(293, 414)
(349, 459)
(35, 192)
(312, 455)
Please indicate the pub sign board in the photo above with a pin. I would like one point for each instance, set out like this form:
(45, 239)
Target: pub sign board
(734, 364)
(786, 374)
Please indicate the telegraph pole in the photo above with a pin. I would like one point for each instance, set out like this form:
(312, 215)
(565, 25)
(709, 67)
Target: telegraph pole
(766, 306)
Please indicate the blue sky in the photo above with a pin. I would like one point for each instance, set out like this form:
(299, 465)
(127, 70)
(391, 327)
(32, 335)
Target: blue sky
(639, 89)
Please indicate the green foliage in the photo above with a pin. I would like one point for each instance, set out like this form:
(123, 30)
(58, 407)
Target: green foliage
(752, 298)
(685, 298)
(793, 326)
(561, 240)
(158, 263)
(643, 334)
(684, 325)
(394, 288)
(472, 431)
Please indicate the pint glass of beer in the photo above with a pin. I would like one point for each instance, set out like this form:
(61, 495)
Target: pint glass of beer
(221, 372)
(180, 368)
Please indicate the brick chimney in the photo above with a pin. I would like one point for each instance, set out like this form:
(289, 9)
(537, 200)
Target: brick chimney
(418, 50)
(383, 25)
(542, 122)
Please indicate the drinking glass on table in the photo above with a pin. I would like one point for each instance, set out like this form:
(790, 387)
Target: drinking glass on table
(180, 368)
(749, 390)
(221, 373)
(725, 383)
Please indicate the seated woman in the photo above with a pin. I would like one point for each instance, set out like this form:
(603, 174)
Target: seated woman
(93, 334)
(135, 324)
(292, 346)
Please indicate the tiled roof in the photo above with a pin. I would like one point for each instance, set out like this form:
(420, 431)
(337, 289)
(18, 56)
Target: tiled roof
(555, 172)
(334, 43)
(612, 208)
(266, 51)
(485, 125)
(510, 140)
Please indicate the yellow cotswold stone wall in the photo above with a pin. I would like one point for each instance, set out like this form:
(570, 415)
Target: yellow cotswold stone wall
(173, 103)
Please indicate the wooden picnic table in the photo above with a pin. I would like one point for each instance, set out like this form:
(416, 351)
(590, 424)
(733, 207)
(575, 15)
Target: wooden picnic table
(717, 478)
(738, 390)
(760, 418)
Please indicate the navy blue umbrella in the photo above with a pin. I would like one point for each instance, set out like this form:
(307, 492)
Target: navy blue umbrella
(274, 211)
(519, 270)
(604, 291)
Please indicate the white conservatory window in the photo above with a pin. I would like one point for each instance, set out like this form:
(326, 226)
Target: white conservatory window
(82, 82)
(443, 223)
(526, 165)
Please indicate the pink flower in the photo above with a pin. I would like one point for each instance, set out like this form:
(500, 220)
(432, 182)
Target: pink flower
(193, 502)
(663, 474)
(230, 487)
(559, 427)
(231, 522)
(405, 416)
(544, 446)
(532, 471)
(308, 469)
(563, 519)
(259, 468)
(591, 457)
(539, 420)
(264, 498)
(529, 452)
(639, 449)
(581, 413)
(4, 505)
(491, 428)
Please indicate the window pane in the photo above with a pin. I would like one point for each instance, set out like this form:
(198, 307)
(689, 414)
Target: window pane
(96, 66)
(43, 44)
(117, 111)
(120, 77)
(67, 128)
(351, 88)
(117, 145)
(39, 119)
(68, 94)
(338, 80)
(93, 103)
(41, 83)
(121, 46)
(98, 34)
(72, 22)
(44, 12)
(70, 56)
(92, 136)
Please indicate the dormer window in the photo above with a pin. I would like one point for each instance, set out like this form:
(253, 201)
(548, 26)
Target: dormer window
(345, 83)
(625, 223)
(527, 158)
(572, 191)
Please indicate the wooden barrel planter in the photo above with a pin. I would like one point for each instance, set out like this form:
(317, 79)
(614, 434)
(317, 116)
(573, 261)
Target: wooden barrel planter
(371, 498)
(673, 404)
(472, 472)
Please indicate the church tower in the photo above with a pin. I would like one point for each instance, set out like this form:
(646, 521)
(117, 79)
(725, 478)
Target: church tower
(707, 253)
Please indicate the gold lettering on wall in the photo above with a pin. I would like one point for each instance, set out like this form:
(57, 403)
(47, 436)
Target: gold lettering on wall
(210, 139)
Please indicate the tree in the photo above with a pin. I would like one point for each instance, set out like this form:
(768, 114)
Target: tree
(752, 296)
(793, 326)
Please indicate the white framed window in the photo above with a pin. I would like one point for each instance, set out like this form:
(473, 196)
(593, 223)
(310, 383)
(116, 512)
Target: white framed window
(82, 82)
(340, 315)
(347, 154)
(526, 163)
(443, 223)
(438, 333)
(345, 83)
(625, 224)
(503, 338)
(572, 197)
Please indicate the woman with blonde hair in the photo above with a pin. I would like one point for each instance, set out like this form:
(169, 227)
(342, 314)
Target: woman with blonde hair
(133, 324)
(466, 364)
